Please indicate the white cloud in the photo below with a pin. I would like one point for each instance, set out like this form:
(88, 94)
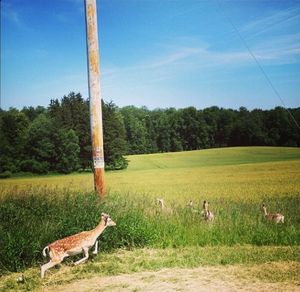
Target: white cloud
(275, 20)
(280, 50)
(192, 57)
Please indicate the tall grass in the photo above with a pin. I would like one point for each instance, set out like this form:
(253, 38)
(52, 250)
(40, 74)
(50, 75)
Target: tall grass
(31, 220)
(37, 211)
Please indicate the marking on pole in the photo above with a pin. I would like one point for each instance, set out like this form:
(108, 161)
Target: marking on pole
(98, 162)
(98, 158)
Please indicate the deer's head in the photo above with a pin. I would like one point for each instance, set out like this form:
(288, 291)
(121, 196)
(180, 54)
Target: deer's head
(107, 220)
(264, 209)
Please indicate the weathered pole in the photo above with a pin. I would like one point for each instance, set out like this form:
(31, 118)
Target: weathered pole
(95, 95)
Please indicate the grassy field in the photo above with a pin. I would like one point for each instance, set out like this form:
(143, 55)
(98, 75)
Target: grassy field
(250, 173)
(37, 210)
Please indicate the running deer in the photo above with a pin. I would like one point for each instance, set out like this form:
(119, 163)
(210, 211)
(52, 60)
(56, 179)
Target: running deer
(75, 244)
(277, 217)
(208, 215)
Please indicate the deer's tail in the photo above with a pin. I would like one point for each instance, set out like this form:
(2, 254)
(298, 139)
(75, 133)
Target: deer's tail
(44, 251)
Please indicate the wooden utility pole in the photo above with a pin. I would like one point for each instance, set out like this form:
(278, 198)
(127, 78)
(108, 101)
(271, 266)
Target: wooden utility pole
(94, 94)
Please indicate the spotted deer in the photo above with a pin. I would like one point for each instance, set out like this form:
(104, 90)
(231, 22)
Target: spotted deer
(276, 217)
(164, 209)
(75, 244)
(208, 215)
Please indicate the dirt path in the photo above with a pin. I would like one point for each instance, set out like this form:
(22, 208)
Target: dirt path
(224, 278)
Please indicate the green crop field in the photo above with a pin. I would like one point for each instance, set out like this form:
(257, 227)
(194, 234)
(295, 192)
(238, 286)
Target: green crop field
(35, 211)
(250, 173)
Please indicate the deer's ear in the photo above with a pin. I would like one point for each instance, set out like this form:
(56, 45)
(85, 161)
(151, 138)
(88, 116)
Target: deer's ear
(106, 220)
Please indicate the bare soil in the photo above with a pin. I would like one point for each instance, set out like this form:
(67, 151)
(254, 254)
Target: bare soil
(217, 278)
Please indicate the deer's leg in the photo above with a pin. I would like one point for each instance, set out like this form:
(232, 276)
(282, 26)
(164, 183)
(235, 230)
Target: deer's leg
(47, 266)
(96, 247)
(86, 256)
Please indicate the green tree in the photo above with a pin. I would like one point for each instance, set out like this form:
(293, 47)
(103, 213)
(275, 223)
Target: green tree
(163, 139)
(32, 112)
(114, 137)
(241, 132)
(225, 123)
(211, 117)
(13, 131)
(72, 112)
(193, 129)
(136, 131)
(282, 129)
(174, 129)
(40, 147)
(257, 128)
(68, 151)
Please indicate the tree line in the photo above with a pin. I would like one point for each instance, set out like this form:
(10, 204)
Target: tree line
(165, 130)
(57, 138)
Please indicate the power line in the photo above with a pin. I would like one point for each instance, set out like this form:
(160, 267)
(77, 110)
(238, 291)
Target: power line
(257, 62)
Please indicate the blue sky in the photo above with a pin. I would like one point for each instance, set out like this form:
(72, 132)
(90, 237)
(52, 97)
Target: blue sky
(153, 53)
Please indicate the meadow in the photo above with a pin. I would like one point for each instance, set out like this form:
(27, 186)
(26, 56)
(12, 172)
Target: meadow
(35, 211)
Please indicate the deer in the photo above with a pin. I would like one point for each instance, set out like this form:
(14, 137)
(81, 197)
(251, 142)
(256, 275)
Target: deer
(190, 204)
(276, 217)
(208, 215)
(164, 209)
(75, 244)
